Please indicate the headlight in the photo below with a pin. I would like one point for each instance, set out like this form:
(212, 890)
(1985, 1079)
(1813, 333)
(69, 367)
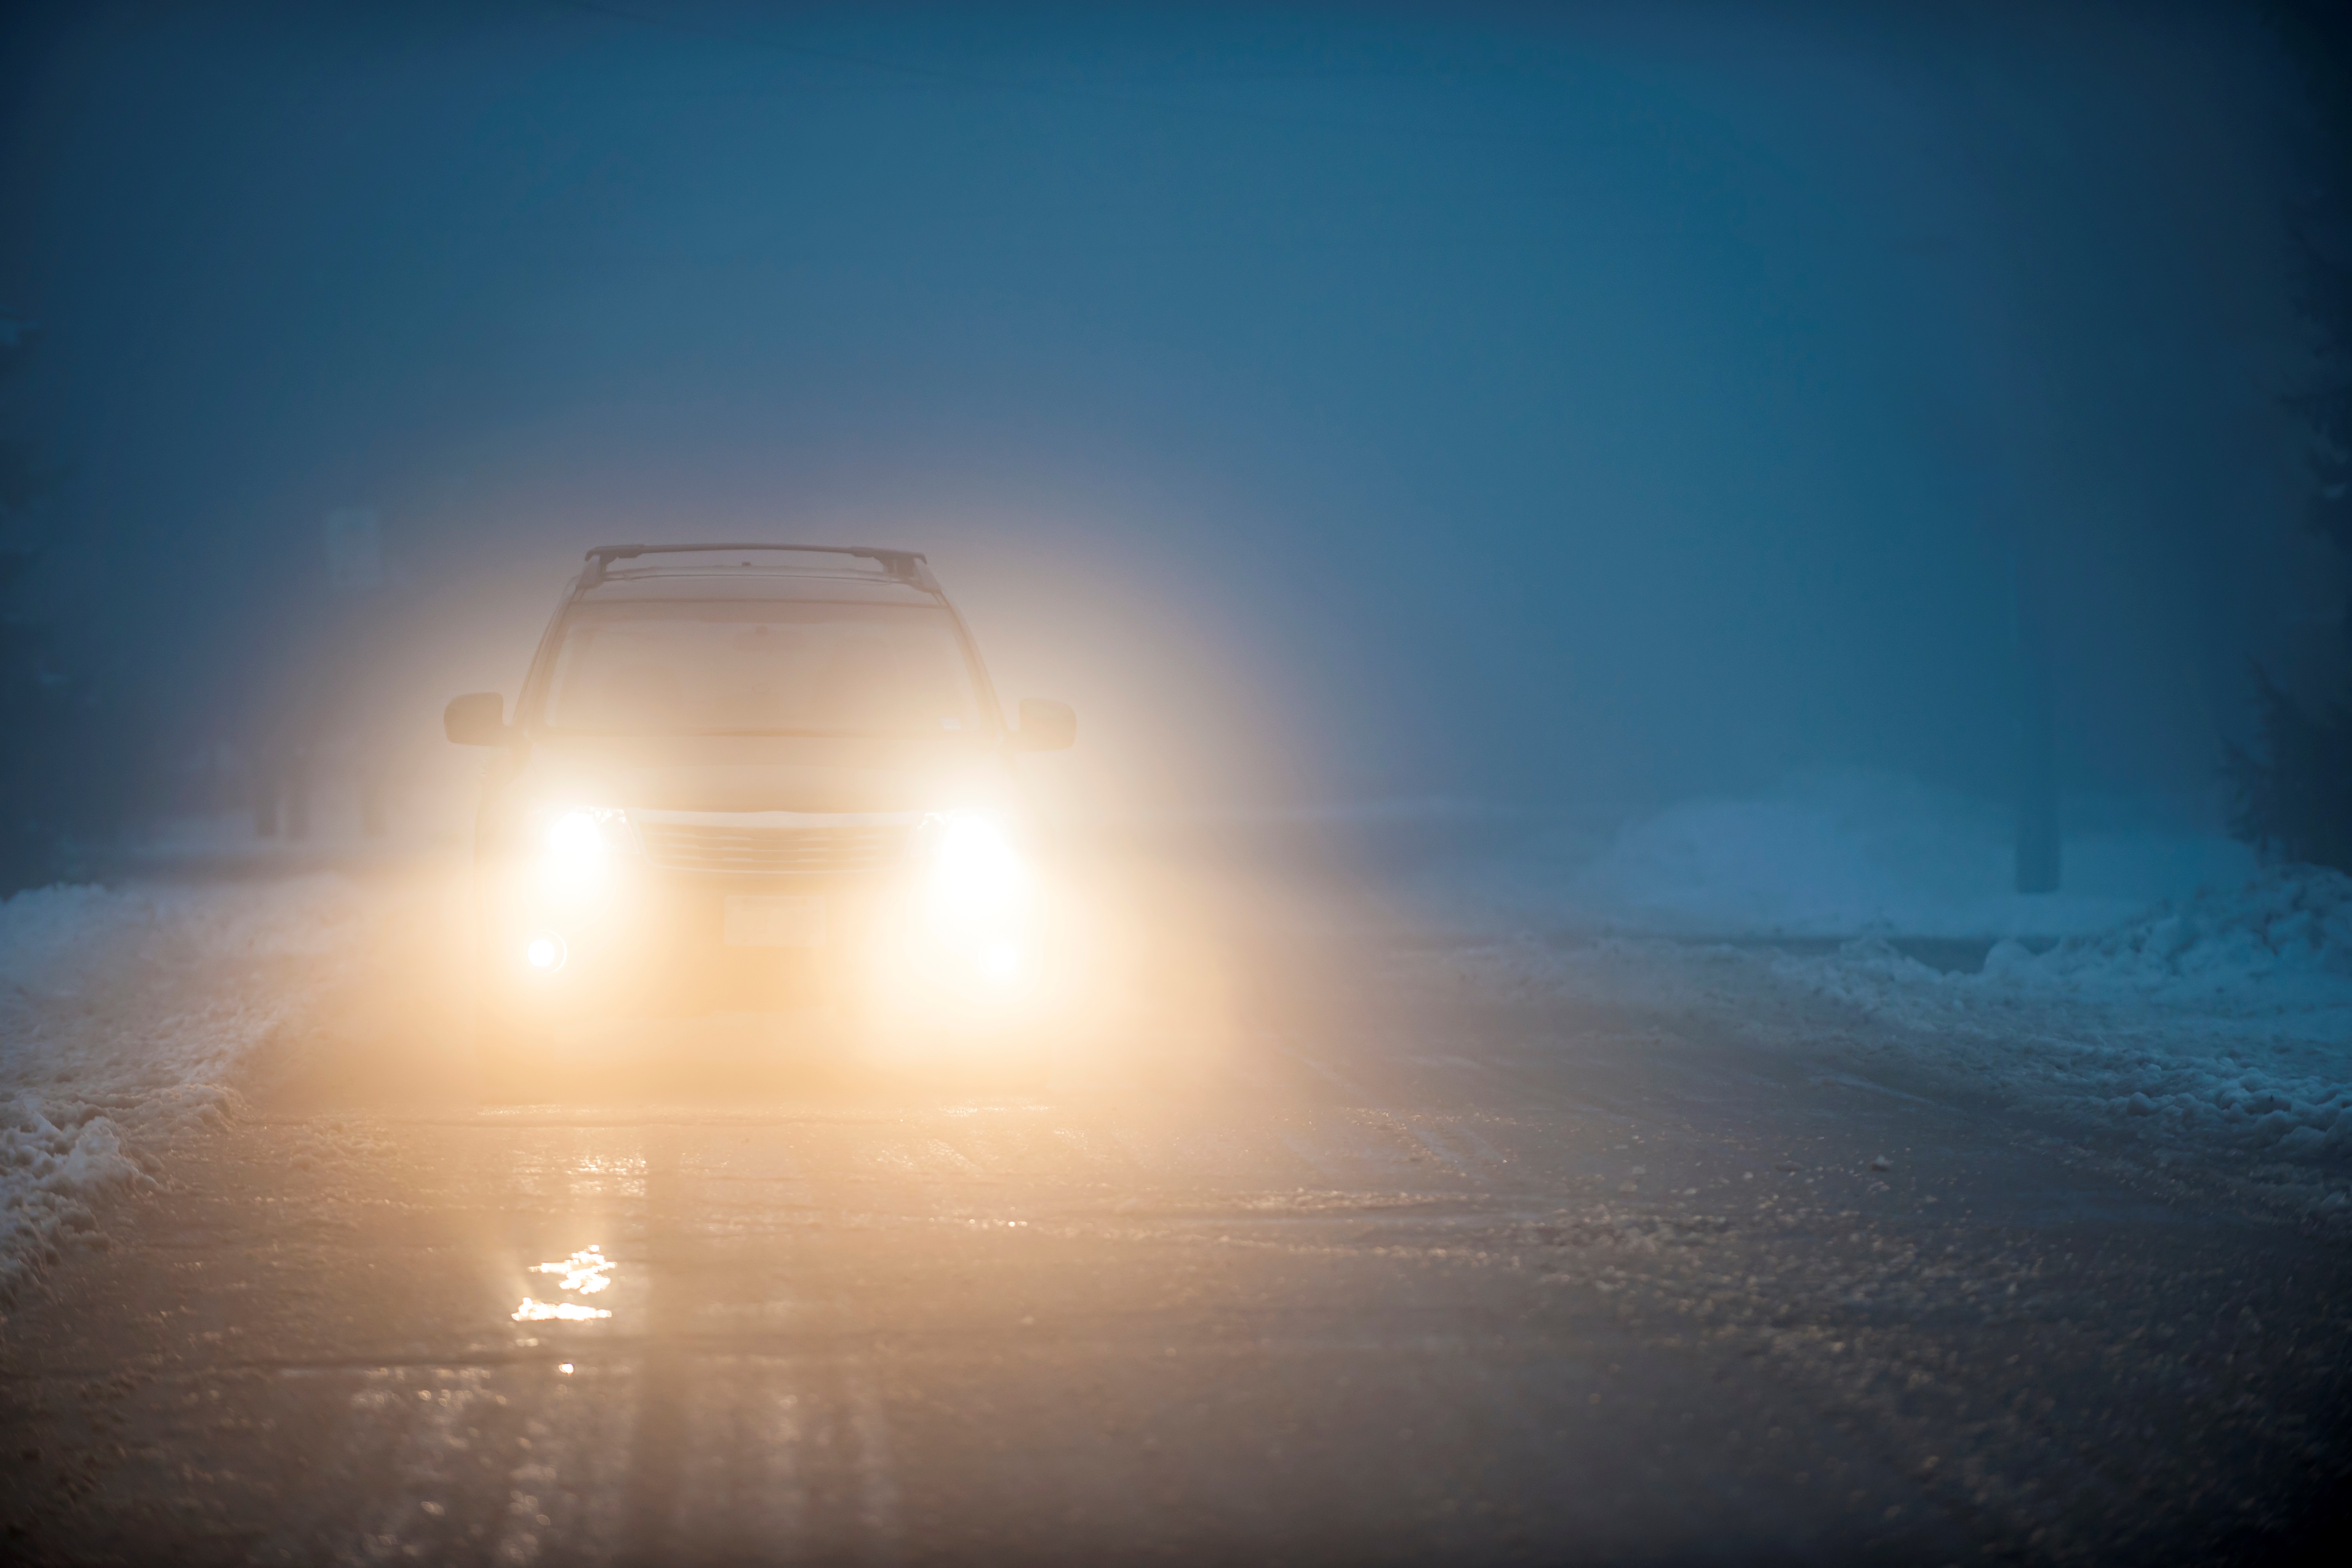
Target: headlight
(975, 872)
(576, 849)
(978, 896)
(977, 899)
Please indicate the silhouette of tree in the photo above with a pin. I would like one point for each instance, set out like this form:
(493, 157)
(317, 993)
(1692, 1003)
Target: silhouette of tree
(2294, 789)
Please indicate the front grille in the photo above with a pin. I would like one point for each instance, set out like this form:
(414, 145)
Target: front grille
(773, 851)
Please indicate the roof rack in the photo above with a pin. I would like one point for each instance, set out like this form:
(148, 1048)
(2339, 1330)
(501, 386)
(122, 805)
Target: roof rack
(906, 566)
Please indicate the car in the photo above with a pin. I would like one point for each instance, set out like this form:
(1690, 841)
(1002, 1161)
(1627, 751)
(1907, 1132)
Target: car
(751, 778)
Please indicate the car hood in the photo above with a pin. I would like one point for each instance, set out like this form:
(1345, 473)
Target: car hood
(763, 772)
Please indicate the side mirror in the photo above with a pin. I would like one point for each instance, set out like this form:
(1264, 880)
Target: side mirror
(477, 719)
(1046, 726)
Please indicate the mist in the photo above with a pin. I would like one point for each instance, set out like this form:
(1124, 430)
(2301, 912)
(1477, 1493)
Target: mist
(1568, 412)
(1660, 873)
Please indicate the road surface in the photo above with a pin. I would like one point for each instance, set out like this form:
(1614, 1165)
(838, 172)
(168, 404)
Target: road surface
(1389, 1270)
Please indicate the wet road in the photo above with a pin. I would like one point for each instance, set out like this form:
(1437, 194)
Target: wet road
(1389, 1273)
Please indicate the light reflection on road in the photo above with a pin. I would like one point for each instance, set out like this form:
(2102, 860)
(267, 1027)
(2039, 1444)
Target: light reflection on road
(584, 1273)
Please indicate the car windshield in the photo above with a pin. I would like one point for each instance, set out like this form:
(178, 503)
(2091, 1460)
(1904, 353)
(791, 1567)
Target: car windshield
(735, 668)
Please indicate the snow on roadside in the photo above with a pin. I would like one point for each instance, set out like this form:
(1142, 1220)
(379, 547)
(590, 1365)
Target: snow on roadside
(2176, 990)
(123, 1015)
(1833, 854)
(2221, 1022)
(2218, 1027)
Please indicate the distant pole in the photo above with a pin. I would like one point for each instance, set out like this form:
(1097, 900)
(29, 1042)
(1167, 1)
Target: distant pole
(2037, 747)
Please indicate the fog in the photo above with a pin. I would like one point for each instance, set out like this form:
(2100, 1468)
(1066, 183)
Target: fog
(1556, 412)
(1690, 905)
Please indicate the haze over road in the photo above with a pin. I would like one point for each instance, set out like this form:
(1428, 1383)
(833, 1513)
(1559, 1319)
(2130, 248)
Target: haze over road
(1666, 740)
(1388, 1265)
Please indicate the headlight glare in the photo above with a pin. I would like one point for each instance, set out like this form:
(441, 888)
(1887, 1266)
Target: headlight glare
(977, 873)
(575, 850)
(978, 889)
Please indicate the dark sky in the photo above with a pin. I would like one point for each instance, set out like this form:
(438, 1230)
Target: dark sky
(1585, 406)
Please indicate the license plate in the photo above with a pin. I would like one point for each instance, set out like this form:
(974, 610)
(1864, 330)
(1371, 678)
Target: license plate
(755, 921)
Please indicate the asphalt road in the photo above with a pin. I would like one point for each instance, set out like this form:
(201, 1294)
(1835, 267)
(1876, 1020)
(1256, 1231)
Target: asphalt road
(1378, 1270)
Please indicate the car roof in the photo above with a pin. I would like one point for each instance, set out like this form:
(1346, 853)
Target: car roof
(854, 573)
(869, 588)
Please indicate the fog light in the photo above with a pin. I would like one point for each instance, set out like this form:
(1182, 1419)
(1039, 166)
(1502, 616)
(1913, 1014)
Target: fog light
(544, 953)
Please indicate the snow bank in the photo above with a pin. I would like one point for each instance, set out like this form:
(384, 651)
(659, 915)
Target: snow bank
(124, 1014)
(2217, 1028)
(2222, 1021)
(2273, 945)
(1842, 854)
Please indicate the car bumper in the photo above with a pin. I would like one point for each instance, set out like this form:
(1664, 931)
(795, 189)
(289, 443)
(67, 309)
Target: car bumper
(660, 941)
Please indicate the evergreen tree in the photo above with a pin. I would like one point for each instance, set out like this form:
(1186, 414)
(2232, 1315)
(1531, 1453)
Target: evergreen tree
(2294, 789)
